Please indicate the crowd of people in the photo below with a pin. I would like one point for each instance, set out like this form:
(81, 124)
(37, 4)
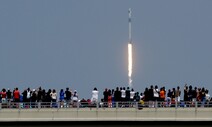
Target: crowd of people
(152, 95)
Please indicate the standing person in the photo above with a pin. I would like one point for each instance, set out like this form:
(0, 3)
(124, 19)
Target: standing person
(173, 94)
(123, 94)
(168, 99)
(113, 98)
(75, 98)
(156, 93)
(190, 91)
(199, 95)
(128, 94)
(177, 94)
(127, 98)
(151, 96)
(67, 97)
(105, 94)
(24, 95)
(71, 95)
(191, 96)
(132, 94)
(109, 99)
(120, 98)
(194, 94)
(53, 95)
(4, 95)
(186, 93)
(162, 96)
(116, 95)
(28, 95)
(39, 94)
(16, 95)
(62, 94)
(33, 98)
(146, 95)
(203, 95)
(9, 97)
(48, 97)
(44, 100)
(95, 95)
(207, 97)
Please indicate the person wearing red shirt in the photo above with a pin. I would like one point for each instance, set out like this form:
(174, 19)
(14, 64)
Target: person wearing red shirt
(16, 95)
(3, 95)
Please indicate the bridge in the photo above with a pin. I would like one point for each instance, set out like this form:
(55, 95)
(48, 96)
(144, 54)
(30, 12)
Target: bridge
(97, 113)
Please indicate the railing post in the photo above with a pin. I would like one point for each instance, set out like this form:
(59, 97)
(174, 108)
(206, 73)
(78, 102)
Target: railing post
(156, 104)
(97, 105)
(0, 106)
(136, 105)
(176, 104)
(39, 105)
(196, 106)
(19, 106)
(117, 105)
(77, 105)
(58, 105)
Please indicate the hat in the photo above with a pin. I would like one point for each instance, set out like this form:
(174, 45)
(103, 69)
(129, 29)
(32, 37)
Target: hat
(33, 90)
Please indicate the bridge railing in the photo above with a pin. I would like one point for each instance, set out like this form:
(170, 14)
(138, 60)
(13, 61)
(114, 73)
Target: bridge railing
(79, 105)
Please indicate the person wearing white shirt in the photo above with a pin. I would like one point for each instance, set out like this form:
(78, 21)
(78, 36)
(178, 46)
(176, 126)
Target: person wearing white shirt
(94, 98)
(132, 94)
(123, 94)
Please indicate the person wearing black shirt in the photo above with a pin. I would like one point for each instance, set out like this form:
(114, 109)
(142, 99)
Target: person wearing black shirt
(67, 96)
(185, 93)
(116, 95)
(39, 97)
(151, 96)
(128, 94)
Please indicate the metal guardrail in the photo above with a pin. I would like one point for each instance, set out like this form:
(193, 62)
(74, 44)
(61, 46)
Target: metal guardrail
(78, 105)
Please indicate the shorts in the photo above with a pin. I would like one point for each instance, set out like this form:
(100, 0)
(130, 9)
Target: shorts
(4, 100)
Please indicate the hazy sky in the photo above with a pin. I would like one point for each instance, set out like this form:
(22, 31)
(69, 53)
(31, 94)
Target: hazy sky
(82, 44)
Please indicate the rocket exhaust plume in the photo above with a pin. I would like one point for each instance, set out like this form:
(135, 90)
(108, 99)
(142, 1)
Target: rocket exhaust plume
(130, 64)
(130, 60)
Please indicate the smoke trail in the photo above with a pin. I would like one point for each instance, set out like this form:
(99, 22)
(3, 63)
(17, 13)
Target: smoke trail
(130, 64)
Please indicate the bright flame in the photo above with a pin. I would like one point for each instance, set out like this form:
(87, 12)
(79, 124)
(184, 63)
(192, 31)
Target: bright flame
(130, 64)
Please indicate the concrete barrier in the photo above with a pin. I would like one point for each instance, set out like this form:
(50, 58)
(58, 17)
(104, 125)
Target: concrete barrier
(107, 114)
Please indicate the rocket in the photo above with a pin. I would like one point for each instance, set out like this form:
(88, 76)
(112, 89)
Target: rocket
(129, 21)
(130, 57)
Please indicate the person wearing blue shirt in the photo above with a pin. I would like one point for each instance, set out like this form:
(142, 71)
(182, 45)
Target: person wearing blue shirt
(61, 98)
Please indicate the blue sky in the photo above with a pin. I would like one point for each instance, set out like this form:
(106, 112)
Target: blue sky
(82, 44)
